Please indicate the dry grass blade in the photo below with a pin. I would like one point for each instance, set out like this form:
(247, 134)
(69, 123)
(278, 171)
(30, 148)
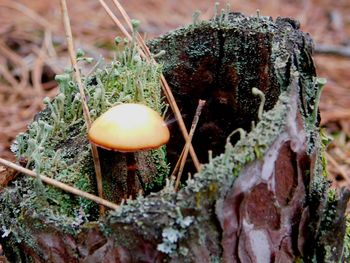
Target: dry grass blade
(28, 12)
(183, 156)
(128, 22)
(115, 19)
(180, 121)
(83, 98)
(177, 166)
(6, 74)
(58, 184)
(335, 115)
(18, 61)
(143, 49)
(38, 71)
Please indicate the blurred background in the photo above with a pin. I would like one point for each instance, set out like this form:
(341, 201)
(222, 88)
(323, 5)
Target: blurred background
(33, 49)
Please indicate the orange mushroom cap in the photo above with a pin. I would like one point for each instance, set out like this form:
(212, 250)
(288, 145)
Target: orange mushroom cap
(129, 127)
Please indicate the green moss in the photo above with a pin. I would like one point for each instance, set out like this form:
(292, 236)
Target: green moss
(321, 161)
(55, 144)
(221, 171)
(346, 250)
(330, 214)
(127, 79)
(211, 184)
(158, 157)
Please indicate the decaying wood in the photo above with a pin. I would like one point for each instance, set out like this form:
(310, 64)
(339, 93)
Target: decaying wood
(6, 176)
(263, 199)
(145, 53)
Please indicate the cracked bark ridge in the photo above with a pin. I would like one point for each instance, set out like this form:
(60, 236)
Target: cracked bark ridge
(265, 199)
(220, 64)
(261, 213)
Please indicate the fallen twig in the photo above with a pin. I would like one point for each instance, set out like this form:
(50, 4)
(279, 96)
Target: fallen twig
(64, 187)
(332, 50)
(38, 71)
(183, 157)
(145, 52)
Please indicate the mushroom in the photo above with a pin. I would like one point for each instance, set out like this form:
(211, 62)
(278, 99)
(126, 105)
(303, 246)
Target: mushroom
(128, 128)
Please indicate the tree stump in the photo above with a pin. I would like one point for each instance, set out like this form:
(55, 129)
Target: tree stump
(263, 197)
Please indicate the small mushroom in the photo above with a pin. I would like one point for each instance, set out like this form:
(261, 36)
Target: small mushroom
(128, 128)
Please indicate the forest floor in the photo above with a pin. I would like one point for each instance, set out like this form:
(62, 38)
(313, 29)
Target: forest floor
(33, 49)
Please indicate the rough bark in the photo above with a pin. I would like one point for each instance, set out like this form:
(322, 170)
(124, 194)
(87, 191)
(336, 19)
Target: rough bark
(262, 199)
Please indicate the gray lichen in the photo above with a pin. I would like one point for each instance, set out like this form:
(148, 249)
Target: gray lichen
(171, 222)
(55, 145)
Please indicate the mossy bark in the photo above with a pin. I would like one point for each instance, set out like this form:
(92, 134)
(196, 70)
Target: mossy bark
(264, 198)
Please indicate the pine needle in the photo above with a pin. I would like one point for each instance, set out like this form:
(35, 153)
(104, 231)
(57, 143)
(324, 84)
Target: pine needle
(86, 111)
(60, 185)
(145, 52)
(183, 157)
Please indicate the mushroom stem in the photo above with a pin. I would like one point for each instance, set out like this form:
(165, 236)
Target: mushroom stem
(131, 175)
(119, 127)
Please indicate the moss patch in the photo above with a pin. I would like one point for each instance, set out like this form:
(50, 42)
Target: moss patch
(55, 145)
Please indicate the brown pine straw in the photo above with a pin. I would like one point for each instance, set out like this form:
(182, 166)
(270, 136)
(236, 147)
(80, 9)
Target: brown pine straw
(28, 12)
(86, 111)
(145, 52)
(185, 150)
(339, 168)
(60, 185)
(335, 115)
(12, 56)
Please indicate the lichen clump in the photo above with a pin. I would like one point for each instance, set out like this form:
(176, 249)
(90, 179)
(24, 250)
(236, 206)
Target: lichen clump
(56, 146)
(200, 219)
